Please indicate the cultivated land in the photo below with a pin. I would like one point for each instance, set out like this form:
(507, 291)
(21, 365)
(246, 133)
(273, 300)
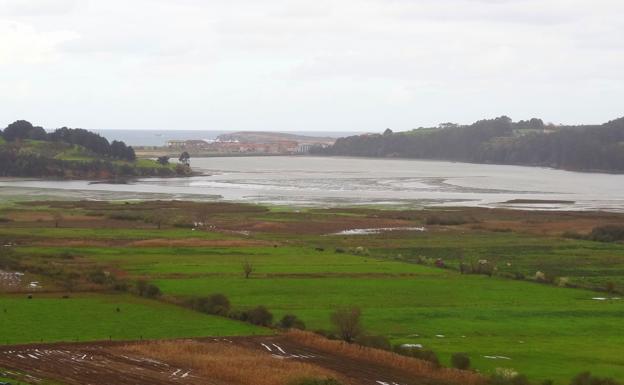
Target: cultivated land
(304, 266)
(266, 360)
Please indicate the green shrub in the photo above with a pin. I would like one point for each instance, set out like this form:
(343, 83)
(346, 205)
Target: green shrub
(483, 266)
(217, 304)
(447, 220)
(586, 378)
(238, 315)
(519, 276)
(147, 290)
(122, 286)
(290, 321)
(460, 361)
(99, 277)
(608, 233)
(259, 316)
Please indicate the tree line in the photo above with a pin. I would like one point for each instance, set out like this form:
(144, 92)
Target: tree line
(498, 141)
(22, 130)
(13, 163)
(104, 160)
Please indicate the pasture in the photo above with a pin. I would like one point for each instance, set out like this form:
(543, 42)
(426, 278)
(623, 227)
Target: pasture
(302, 267)
(99, 317)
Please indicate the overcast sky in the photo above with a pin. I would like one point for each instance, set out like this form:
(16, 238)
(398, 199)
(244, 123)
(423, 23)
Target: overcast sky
(360, 65)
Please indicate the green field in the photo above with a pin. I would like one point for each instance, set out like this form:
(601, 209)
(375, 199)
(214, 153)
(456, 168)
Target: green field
(94, 317)
(586, 263)
(477, 315)
(538, 329)
(528, 322)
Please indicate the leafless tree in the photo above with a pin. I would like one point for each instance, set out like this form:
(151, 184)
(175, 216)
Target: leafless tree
(157, 217)
(248, 268)
(57, 217)
(347, 322)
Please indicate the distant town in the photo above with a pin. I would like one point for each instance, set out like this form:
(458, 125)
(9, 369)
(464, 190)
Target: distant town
(241, 143)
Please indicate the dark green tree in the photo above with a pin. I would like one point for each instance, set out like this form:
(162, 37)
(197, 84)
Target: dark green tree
(185, 158)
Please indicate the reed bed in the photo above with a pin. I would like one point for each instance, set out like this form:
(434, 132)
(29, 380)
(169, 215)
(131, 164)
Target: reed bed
(228, 363)
(412, 366)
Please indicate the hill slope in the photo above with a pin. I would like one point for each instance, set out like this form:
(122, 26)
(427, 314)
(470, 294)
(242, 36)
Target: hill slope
(28, 151)
(499, 141)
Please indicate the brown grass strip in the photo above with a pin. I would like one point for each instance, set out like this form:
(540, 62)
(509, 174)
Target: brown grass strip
(225, 362)
(412, 366)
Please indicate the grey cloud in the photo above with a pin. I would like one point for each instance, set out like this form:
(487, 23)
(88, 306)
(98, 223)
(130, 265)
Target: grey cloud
(325, 63)
(21, 8)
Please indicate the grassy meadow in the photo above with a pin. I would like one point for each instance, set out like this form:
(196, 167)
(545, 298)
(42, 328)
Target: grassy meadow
(95, 317)
(302, 267)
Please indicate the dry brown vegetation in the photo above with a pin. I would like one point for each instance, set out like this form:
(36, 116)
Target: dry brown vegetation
(412, 366)
(199, 243)
(229, 363)
(237, 218)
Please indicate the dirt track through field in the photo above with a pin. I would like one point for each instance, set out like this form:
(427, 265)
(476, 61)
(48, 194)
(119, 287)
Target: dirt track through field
(109, 363)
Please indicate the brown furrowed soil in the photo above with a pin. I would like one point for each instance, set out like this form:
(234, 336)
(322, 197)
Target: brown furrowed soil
(269, 360)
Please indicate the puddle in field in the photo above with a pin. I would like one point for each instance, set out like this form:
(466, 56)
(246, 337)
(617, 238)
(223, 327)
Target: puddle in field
(497, 357)
(605, 298)
(377, 230)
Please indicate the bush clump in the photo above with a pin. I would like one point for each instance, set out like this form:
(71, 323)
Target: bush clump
(217, 304)
(100, 277)
(290, 321)
(447, 220)
(586, 378)
(259, 316)
(608, 233)
(460, 361)
(148, 290)
(481, 266)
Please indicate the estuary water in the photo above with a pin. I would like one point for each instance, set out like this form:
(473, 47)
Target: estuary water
(335, 181)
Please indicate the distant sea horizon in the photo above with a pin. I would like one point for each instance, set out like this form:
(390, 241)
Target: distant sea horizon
(139, 137)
